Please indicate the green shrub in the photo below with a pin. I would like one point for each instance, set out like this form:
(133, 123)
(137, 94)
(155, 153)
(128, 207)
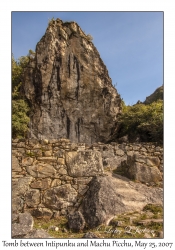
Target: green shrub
(20, 108)
(20, 118)
(143, 120)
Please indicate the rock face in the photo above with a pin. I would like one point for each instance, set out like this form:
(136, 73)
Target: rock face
(111, 195)
(69, 89)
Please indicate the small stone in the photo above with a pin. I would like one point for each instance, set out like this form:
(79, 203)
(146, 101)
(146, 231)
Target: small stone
(47, 159)
(65, 230)
(76, 221)
(32, 197)
(56, 215)
(62, 171)
(41, 184)
(21, 145)
(37, 146)
(61, 161)
(56, 183)
(160, 234)
(63, 212)
(116, 223)
(130, 153)
(147, 236)
(90, 235)
(15, 164)
(47, 153)
(36, 152)
(53, 228)
(45, 141)
(143, 149)
(119, 152)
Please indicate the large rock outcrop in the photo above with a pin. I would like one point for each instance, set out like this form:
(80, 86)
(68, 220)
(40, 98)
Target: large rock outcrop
(68, 87)
(112, 195)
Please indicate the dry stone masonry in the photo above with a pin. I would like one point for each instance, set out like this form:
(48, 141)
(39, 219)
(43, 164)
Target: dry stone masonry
(56, 177)
(69, 89)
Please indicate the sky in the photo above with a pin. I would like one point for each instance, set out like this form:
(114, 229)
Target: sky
(130, 45)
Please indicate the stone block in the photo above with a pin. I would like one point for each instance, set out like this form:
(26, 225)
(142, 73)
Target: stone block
(84, 163)
(32, 198)
(56, 197)
(61, 161)
(47, 159)
(28, 161)
(41, 184)
(119, 152)
(56, 182)
(20, 186)
(41, 170)
(24, 226)
(47, 153)
(36, 152)
(15, 164)
(144, 173)
(21, 145)
(148, 160)
(62, 171)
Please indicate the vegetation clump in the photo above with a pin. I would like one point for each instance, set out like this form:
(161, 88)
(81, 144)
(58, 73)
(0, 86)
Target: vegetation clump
(143, 121)
(89, 37)
(20, 108)
(128, 225)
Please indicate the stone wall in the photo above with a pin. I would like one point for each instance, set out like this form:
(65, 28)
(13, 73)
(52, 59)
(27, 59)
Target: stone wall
(51, 177)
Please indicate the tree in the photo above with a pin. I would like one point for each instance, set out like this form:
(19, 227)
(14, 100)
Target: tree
(143, 120)
(18, 70)
(20, 118)
(20, 108)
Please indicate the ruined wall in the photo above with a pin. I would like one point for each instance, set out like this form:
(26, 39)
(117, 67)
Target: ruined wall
(51, 177)
(69, 89)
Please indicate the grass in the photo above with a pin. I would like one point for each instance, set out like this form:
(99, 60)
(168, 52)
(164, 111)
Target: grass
(119, 172)
(155, 209)
(61, 224)
(126, 229)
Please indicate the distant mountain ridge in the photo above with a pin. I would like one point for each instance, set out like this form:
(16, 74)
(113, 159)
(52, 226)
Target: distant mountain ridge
(155, 96)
